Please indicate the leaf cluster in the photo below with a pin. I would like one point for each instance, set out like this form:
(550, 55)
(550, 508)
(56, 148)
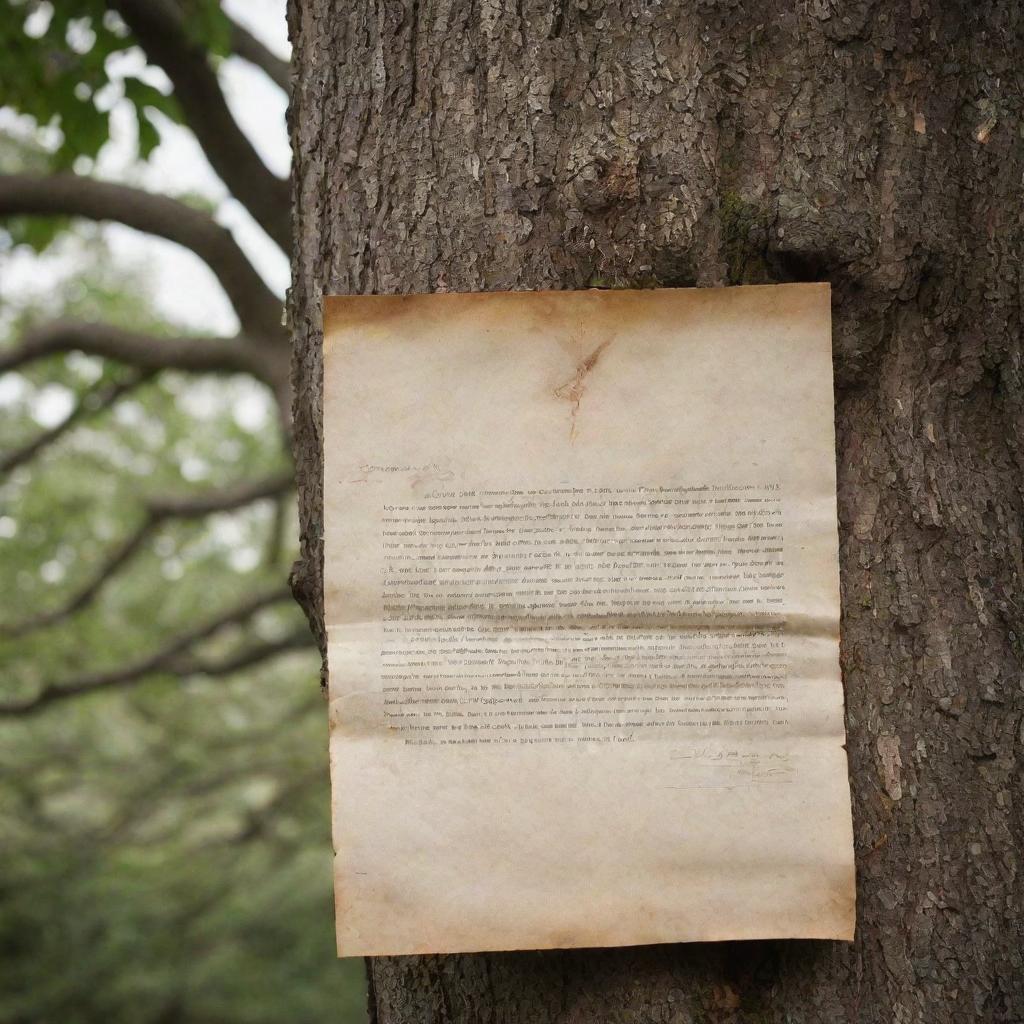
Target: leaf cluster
(64, 67)
(166, 847)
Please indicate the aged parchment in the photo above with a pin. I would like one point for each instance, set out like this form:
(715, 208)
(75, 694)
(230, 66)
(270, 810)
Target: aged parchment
(583, 615)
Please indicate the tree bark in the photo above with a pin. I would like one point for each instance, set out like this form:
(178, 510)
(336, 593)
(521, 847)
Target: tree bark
(489, 144)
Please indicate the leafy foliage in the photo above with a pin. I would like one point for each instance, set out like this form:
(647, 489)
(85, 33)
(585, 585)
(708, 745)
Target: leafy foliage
(58, 67)
(207, 26)
(166, 846)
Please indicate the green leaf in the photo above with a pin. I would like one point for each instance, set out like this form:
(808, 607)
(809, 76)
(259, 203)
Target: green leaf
(36, 232)
(145, 98)
(207, 25)
(143, 95)
(55, 78)
(149, 137)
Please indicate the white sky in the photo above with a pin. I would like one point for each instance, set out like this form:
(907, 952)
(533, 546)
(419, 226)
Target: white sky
(183, 287)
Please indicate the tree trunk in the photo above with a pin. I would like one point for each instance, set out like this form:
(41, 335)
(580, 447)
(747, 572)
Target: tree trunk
(489, 144)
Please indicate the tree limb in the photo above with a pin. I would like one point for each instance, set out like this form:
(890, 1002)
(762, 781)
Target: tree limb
(299, 639)
(118, 557)
(195, 506)
(94, 401)
(175, 658)
(159, 27)
(157, 511)
(249, 48)
(268, 363)
(73, 195)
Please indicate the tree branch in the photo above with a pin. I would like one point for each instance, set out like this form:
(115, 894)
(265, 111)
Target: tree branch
(268, 363)
(297, 640)
(118, 557)
(157, 511)
(175, 658)
(94, 401)
(249, 48)
(159, 27)
(195, 506)
(72, 195)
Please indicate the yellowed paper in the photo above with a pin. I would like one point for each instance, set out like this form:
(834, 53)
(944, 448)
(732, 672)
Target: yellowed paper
(583, 614)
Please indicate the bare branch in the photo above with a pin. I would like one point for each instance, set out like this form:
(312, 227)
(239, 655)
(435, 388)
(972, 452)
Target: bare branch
(266, 362)
(296, 641)
(94, 401)
(65, 194)
(249, 48)
(157, 511)
(118, 557)
(175, 658)
(227, 499)
(159, 27)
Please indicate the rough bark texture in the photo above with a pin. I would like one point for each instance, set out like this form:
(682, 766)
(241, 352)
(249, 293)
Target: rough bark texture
(525, 144)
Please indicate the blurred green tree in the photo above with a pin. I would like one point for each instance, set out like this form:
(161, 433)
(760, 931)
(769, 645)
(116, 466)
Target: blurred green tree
(163, 795)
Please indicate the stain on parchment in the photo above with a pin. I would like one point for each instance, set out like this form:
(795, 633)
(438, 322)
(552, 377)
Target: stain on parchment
(573, 389)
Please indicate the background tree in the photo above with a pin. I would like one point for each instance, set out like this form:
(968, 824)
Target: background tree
(444, 144)
(162, 774)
